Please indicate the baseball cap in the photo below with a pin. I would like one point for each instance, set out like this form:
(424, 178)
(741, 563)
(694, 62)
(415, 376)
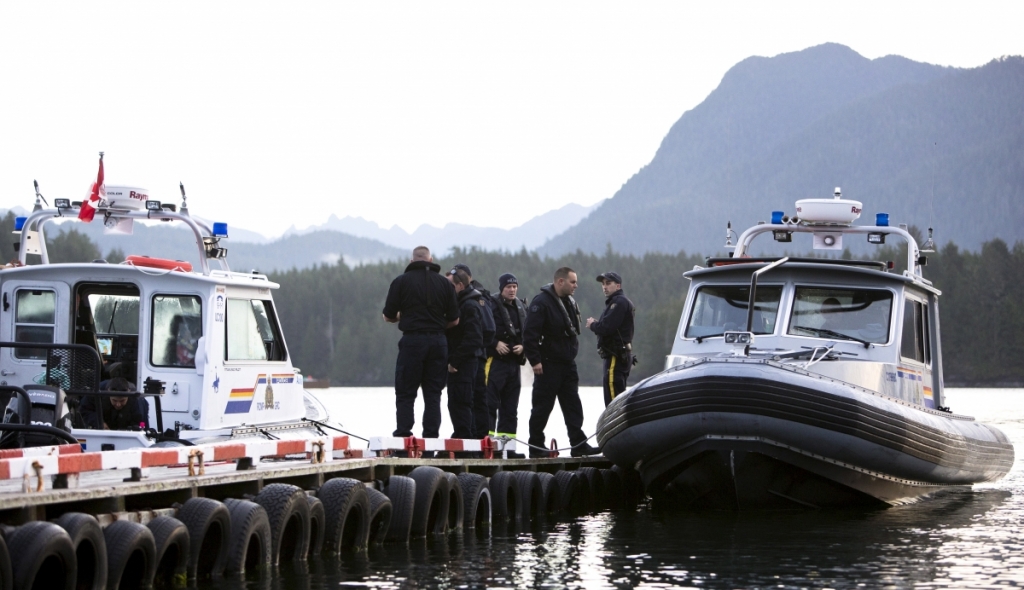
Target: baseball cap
(610, 276)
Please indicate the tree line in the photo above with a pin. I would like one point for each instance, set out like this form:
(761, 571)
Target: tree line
(331, 314)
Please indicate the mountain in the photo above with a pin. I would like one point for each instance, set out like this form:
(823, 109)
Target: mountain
(933, 146)
(529, 235)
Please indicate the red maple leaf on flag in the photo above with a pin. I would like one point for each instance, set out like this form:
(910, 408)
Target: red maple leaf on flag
(97, 193)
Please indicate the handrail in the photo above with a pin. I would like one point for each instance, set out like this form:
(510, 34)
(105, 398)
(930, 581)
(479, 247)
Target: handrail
(41, 429)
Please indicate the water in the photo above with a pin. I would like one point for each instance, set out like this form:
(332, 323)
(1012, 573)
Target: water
(968, 538)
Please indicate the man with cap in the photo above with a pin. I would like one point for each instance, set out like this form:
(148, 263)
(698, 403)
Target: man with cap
(479, 386)
(422, 303)
(551, 344)
(465, 345)
(504, 358)
(614, 332)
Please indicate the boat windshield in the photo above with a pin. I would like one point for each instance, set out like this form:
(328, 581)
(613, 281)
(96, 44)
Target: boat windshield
(861, 315)
(719, 308)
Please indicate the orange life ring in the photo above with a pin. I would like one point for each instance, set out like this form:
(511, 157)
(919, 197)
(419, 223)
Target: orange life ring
(164, 263)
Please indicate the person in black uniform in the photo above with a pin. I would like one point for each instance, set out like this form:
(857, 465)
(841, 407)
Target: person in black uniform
(422, 303)
(465, 342)
(505, 357)
(551, 344)
(614, 335)
(480, 417)
(113, 413)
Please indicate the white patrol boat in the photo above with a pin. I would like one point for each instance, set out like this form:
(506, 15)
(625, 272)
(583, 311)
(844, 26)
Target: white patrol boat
(204, 345)
(803, 382)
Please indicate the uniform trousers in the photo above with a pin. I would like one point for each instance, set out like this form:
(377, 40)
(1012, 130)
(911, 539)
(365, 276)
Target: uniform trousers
(480, 424)
(616, 371)
(422, 362)
(503, 385)
(561, 382)
(460, 399)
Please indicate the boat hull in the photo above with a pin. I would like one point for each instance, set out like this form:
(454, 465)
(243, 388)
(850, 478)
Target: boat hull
(746, 433)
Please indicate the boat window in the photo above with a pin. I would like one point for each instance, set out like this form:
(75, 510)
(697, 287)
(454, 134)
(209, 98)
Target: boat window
(251, 331)
(115, 314)
(719, 308)
(34, 320)
(844, 313)
(177, 328)
(914, 337)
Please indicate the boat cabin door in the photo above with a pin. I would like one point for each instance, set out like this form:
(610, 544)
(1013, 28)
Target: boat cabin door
(176, 326)
(31, 311)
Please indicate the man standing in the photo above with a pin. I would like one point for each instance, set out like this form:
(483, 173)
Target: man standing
(479, 384)
(505, 356)
(614, 335)
(550, 342)
(423, 305)
(465, 342)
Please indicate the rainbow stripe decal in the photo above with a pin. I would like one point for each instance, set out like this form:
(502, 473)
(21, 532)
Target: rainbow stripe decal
(240, 400)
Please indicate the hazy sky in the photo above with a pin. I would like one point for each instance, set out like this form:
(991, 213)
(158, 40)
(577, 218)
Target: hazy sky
(487, 113)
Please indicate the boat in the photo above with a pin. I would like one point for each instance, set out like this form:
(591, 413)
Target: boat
(803, 382)
(201, 347)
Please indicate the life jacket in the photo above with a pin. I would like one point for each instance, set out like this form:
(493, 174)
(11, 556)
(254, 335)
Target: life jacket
(506, 320)
(569, 326)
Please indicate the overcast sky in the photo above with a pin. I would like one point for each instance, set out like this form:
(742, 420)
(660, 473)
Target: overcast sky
(279, 114)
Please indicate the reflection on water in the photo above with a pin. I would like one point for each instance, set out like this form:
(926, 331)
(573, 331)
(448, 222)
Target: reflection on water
(961, 538)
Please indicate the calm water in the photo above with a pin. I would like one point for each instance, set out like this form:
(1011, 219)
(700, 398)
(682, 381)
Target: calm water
(958, 539)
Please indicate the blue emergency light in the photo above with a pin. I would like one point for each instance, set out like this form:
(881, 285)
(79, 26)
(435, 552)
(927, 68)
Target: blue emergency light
(777, 217)
(220, 229)
(19, 222)
(882, 219)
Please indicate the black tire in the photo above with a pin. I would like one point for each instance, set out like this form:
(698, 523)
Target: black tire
(477, 498)
(505, 502)
(380, 516)
(550, 493)
(209, 525)
(595, 488)
(632, 486)
(170, 537)
(346, 515)
(430, 513)
(317, 519)
(530, 498)
(6, 579)
(571, 492)
(42, 556)
(288, 512)
(456, 504)
(131, 555)
(612, 484)
(249, 546)
(401, 491)
(90, 549)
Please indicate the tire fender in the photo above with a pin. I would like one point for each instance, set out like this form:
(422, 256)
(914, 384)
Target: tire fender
(170, 536)
(401, 491)
(505, 502)
(131, 554)
(380, 516)
(530, 497)
(317, 519)
(612, 483)
(42, 553)
(249, 546)
(550, 494)
(477, 496)
(90, 549)
(571, 493)
(591, 479)
(456, 504)
(346, 515)
(288, 512)
(209, 525)
(6, 579)
(430, 512)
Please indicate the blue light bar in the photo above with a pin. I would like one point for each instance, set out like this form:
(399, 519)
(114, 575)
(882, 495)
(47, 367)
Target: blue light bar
(220, 229)
(19, 222)
(882, 219)
(777, 217)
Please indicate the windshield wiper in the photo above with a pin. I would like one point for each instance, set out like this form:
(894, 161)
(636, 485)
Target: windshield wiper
(700, 339)
(826, 333)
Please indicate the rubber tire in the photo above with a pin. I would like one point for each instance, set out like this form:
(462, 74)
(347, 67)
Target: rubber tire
(127, 543)
(571, 492)
(505, 502)
(595, 486)
(632, 486)
(6, 579)
(317, 519)
(550, 493)
(288, 512)
(530, 496)
(170, 536)
(612, 488)
(90, 549)
(249, 545)
(477, 498)
(42, 550)
(401, 491)
(346, 515)
(209, 528)
(456, 504)
(380, 516)
(430, 513)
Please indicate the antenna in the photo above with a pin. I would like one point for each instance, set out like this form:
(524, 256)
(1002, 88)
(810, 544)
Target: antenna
(184, 205)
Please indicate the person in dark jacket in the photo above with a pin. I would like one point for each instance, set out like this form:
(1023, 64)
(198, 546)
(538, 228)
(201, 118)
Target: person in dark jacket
(465, 342)
(422, 303)
(551, 344)
(113, 412)
(505, 357)
(614, 332)
(479, 386)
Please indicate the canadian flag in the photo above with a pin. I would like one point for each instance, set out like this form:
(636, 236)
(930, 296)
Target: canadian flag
(97, 193)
